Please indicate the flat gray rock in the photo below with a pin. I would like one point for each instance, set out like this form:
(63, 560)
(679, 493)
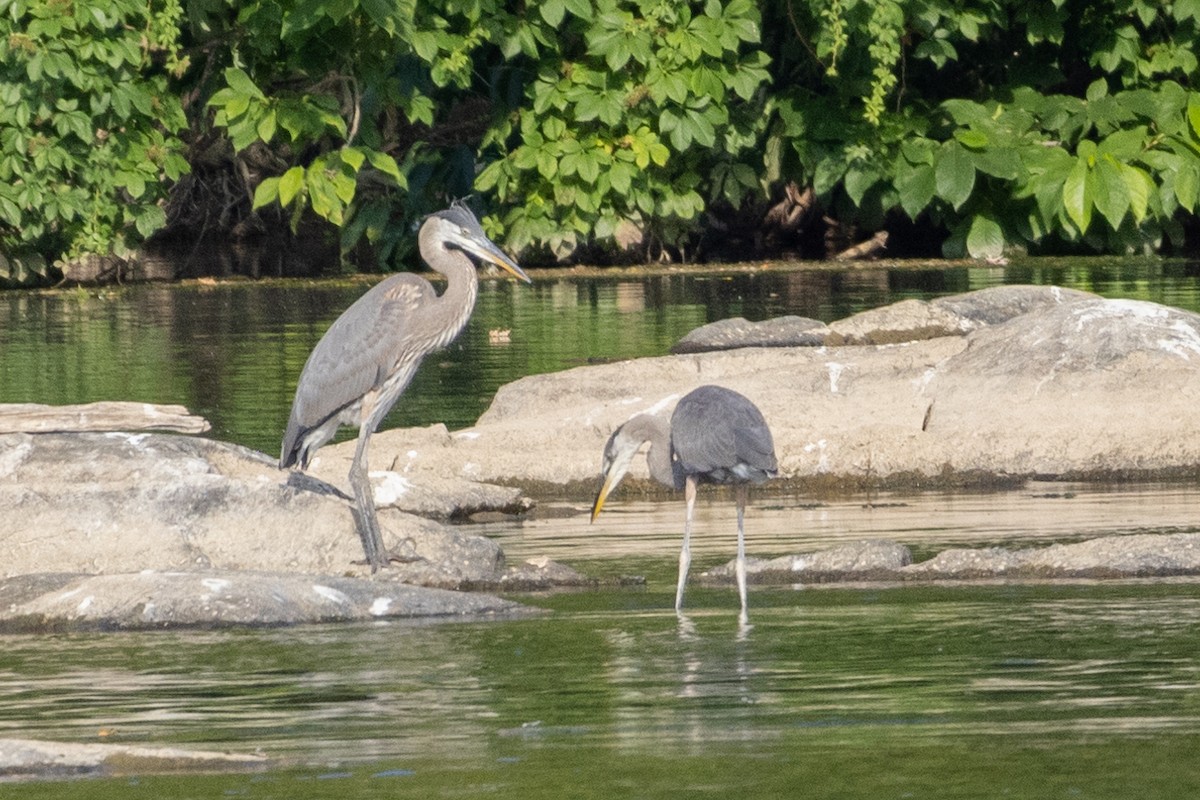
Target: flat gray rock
(29, 759)
(998, 304)
(222, 599)
(727, 334)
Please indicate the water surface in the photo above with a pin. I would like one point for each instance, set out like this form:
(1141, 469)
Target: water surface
(233, 352)
(1059, 691)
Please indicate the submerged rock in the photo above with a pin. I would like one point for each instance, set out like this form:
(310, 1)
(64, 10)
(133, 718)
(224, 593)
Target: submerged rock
(29, 759)
(1132, 556)
(853, 560)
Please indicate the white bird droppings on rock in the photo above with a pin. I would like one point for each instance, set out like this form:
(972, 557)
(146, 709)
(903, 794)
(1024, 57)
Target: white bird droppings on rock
(380, 606)
(390, 488)
(835, 373)
(215, 585)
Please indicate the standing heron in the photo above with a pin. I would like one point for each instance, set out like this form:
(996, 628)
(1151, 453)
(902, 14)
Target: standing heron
(715, 436)
(369, 355)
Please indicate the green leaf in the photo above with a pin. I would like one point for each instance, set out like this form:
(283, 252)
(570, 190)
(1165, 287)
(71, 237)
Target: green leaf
(266, 192)
(289, 184)
(352, 157)
(917, 190)
(266, 126)
(388, 166)
(1187, 186)
(971, 138)
(547, 164)
(985, 239)
(1139, 185)
(954, 174)
(581, 9)
(1111, 194)
(1076, 195)
(148, 219)
(1193, 113)
(241, 83)
(552, 11)
(858, 181)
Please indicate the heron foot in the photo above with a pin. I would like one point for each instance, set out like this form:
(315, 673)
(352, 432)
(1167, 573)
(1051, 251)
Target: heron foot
(389, 557)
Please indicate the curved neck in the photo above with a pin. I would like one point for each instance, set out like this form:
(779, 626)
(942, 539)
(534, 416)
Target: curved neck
(657, 432)
(454, 306)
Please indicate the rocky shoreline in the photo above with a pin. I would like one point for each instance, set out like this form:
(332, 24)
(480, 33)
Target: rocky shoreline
(121, 529)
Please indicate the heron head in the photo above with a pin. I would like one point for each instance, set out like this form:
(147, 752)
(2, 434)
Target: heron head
(458, 227)
(618, 455)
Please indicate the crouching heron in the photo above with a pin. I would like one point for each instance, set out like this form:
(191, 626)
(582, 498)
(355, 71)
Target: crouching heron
(715, 436)
(367, 358)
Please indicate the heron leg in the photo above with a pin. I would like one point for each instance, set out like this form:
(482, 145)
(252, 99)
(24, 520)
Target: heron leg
(741, 491)
(685, 554)
(364, 505)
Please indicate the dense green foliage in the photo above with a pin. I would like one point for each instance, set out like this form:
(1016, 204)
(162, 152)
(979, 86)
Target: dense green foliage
(1045, 125)
(88, 124)
(588, 126)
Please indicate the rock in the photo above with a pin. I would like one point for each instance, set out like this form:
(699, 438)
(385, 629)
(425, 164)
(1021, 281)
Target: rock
(906, 321)
(1054, 392)
(964, 563)
(28, 759)
(121, 503)
(540, 573)
(216, 598)
(999, 304)
(846, 561)
(727, 334)
(441, 497)
(1141, 555)
(101, 416)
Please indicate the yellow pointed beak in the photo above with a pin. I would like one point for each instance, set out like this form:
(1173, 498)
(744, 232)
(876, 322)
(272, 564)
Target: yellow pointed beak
(601, 496)
(491, 253)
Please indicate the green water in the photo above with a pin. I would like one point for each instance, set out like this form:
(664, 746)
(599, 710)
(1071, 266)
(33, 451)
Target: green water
(232, 353)
(1079, 690)
(1015, 691)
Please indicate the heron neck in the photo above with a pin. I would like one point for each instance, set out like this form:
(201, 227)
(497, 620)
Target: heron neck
(657, 432)
(457, 302)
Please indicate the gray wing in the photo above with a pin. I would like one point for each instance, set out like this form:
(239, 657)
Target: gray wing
(721, 435)
(356, 354)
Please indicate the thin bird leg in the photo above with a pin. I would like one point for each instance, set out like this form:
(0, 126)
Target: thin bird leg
(685, 555)
(364, 504)
(741, 491)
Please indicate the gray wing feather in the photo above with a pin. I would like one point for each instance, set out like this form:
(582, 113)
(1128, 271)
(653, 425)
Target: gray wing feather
(714, 429)
(358, 351)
